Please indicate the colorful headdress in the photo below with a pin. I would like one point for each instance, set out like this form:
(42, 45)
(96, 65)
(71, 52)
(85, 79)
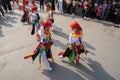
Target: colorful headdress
(75, 25)
(47, 24)
(34, 8)
(48, 5)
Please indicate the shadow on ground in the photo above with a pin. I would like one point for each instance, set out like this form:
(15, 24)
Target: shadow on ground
(1, 32)
(8, 21)
(88, 46)
(96, 72)
(60, 33)
(106, 23)
(61, 73)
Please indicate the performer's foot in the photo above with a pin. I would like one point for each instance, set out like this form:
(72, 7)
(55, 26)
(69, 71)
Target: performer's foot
(61, 56)
(50, 69)
(39, 67)
(86, 52)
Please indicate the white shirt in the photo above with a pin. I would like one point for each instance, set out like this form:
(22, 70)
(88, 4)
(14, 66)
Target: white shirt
(41, 33)
(34, 16)
(60, 1)
(73, 40)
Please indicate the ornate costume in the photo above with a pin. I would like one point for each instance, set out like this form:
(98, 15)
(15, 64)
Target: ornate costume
(75, 44)
(44, 48)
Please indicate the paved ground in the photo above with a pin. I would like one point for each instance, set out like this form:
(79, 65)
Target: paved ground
(101, 39)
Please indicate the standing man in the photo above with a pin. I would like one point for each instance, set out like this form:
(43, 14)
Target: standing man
(61, 6)
(1, 10)
(42, 4)
(6, 5)
(53, 4)
(117, 13)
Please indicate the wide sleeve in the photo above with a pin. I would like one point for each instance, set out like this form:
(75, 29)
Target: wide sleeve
(72, 40)
(41, 33)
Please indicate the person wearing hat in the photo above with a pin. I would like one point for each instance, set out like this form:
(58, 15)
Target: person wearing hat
(44, 48)
(50, 16)
(25, 17)
(35, 19)
(75, 47)
(50, 12)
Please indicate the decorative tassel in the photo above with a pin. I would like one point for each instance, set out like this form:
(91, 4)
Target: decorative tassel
(26, 57)
(72, 58)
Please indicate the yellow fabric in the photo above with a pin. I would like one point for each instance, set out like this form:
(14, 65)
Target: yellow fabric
(47, 32)
(77, 35)
(32, 53)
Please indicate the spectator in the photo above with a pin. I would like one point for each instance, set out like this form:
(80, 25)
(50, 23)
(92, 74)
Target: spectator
(111, 15)
(73, 7)
(104, 8)
(42, 4)
(117, 20)
(53, 4)
(1, 10)
(99, 11)
(6, 4)
(108, 10)
(85, 8)
(61, 6)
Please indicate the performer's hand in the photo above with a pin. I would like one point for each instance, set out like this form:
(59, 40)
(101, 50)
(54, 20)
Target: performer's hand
(70, 47)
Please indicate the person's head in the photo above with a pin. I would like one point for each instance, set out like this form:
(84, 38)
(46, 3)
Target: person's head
(47, 25)
(48, 6)
(113, 2)
(104, 2)
(75, 26)
(34, 8)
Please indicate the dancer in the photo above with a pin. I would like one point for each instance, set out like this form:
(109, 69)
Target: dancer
(35, 19)
(44, 48)
(50, 16)
(75, 47)
(26, 9)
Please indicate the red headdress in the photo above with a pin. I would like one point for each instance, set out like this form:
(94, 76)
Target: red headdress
(75, 25)
(47, 24)
(34, 8)
(48, 5)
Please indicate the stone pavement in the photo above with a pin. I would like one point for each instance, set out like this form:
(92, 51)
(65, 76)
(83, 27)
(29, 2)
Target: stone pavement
(101, 39)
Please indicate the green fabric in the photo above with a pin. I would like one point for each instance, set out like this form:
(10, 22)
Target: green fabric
(72, 58)
(86, 11)
(50, 4)
(34, 22)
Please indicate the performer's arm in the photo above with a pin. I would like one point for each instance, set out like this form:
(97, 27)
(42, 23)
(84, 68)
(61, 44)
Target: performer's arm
(72, 40)
(41, 32)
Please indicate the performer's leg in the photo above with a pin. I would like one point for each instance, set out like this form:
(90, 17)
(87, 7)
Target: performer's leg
(9, 6)
(33, 30)
(46, 61)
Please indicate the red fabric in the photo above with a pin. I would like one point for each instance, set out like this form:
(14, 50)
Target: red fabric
(48, 5)
(75, 25)
(32, 1)
(47, 24)
(16, 1)
(34, 8)
(99, 12)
